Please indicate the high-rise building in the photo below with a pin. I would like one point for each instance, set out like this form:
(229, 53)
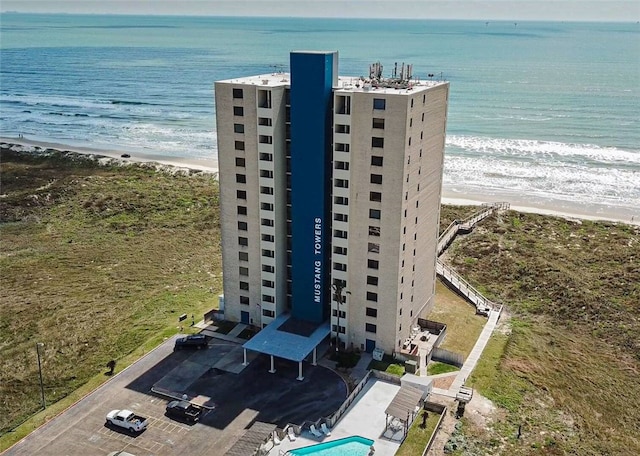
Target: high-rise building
(330, 193)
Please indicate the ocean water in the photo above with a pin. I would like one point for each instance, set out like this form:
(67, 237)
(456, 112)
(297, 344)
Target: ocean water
(538, 111)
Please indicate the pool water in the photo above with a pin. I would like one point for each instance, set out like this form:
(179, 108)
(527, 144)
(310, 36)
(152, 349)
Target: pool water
(350, 446)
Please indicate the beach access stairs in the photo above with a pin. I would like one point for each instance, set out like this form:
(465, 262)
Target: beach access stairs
(483, 305)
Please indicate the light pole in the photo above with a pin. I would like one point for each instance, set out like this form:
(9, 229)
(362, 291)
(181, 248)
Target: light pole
(38, 345)
(339, 298)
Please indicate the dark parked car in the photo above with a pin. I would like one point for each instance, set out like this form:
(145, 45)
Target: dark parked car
(197, 341)
(184, 410)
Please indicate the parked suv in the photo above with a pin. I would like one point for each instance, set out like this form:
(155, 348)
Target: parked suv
(196, 341)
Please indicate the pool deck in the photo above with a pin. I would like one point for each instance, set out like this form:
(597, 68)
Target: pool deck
(365, 417)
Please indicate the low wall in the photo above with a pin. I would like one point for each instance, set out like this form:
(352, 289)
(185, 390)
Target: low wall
(435, 408)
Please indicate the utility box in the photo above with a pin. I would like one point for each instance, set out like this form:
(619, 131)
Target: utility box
(378, 354)
(410, 367)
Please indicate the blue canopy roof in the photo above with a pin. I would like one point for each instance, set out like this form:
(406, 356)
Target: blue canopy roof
(273, 340)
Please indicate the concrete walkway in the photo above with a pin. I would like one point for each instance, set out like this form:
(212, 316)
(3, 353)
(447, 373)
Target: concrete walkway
(211, 330)
(472, 359)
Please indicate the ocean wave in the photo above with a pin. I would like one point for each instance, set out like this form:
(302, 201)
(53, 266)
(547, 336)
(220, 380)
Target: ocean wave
(544, 150)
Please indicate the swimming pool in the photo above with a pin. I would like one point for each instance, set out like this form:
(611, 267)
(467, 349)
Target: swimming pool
(349, 446)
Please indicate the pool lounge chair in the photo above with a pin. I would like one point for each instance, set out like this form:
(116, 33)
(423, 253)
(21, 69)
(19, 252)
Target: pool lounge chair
(291, 434)
(276, 438)
(325, 429)
(314, 431)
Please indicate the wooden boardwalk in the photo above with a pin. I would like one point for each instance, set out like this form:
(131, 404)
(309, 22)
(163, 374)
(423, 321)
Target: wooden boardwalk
(483, 305)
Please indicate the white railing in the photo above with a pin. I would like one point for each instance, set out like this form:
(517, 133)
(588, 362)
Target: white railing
(483, 305)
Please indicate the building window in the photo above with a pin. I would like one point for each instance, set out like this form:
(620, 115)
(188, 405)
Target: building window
(239, 145)
(340, 234)
(377, 142)
(374, 214)
(242, 210)
(265, 121)
(341, 200)
(340, 283)
(265, 139)
(373, 264)
(268, 268)
(370, 327)
(379, 103)
(371, 312)
(376, 178)
(268, 237)
(374, 231)
(242, 226)
(238, 111)
(241, 194)
(243, 256)
(237, 93)
(342, 147)
(264, 98)
(268, 283)
(267, 312)
(238, 128)
(341, 165)
(343, 104)
(243, 271)
(244, 286)
(423, 116)
(266, 173)
(266, 157)
(375, 196)
(376, 161)
(409, 140)
(266, 222)
(266, 206)
(268, 253)
(343, 128)
(244, 300)
(372, 280)
(378, 123)
(373, 247)
(241, 178)
(342, 183)
(340, 267)
(243, 241)
(340, 217)
(411, 122)
(339, 250)
(266, 190)
(240, 162)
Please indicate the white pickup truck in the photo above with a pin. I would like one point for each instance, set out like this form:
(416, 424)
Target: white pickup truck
(127, 419)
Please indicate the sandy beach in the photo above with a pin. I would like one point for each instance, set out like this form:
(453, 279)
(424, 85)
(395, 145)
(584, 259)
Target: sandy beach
(522, 203)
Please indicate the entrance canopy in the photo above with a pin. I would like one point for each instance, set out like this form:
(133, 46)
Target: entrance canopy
(288, 339)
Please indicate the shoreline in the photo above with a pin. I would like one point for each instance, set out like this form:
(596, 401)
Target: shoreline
(450, 196)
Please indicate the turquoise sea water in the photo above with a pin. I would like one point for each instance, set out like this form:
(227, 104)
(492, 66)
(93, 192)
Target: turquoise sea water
(550, 110)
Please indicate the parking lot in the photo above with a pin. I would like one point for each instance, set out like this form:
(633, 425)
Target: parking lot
(238, 399)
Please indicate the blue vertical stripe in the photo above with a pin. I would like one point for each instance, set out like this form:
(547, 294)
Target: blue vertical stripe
(311, 96)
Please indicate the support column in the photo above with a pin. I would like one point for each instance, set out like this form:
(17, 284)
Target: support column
(300, 377)
(273, 369)
(245, 363)
(314, 363)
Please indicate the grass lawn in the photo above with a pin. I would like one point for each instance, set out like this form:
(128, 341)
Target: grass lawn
(417, 438)
(435, 368)
(463, 325)
(388, 365)
(96, 263)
